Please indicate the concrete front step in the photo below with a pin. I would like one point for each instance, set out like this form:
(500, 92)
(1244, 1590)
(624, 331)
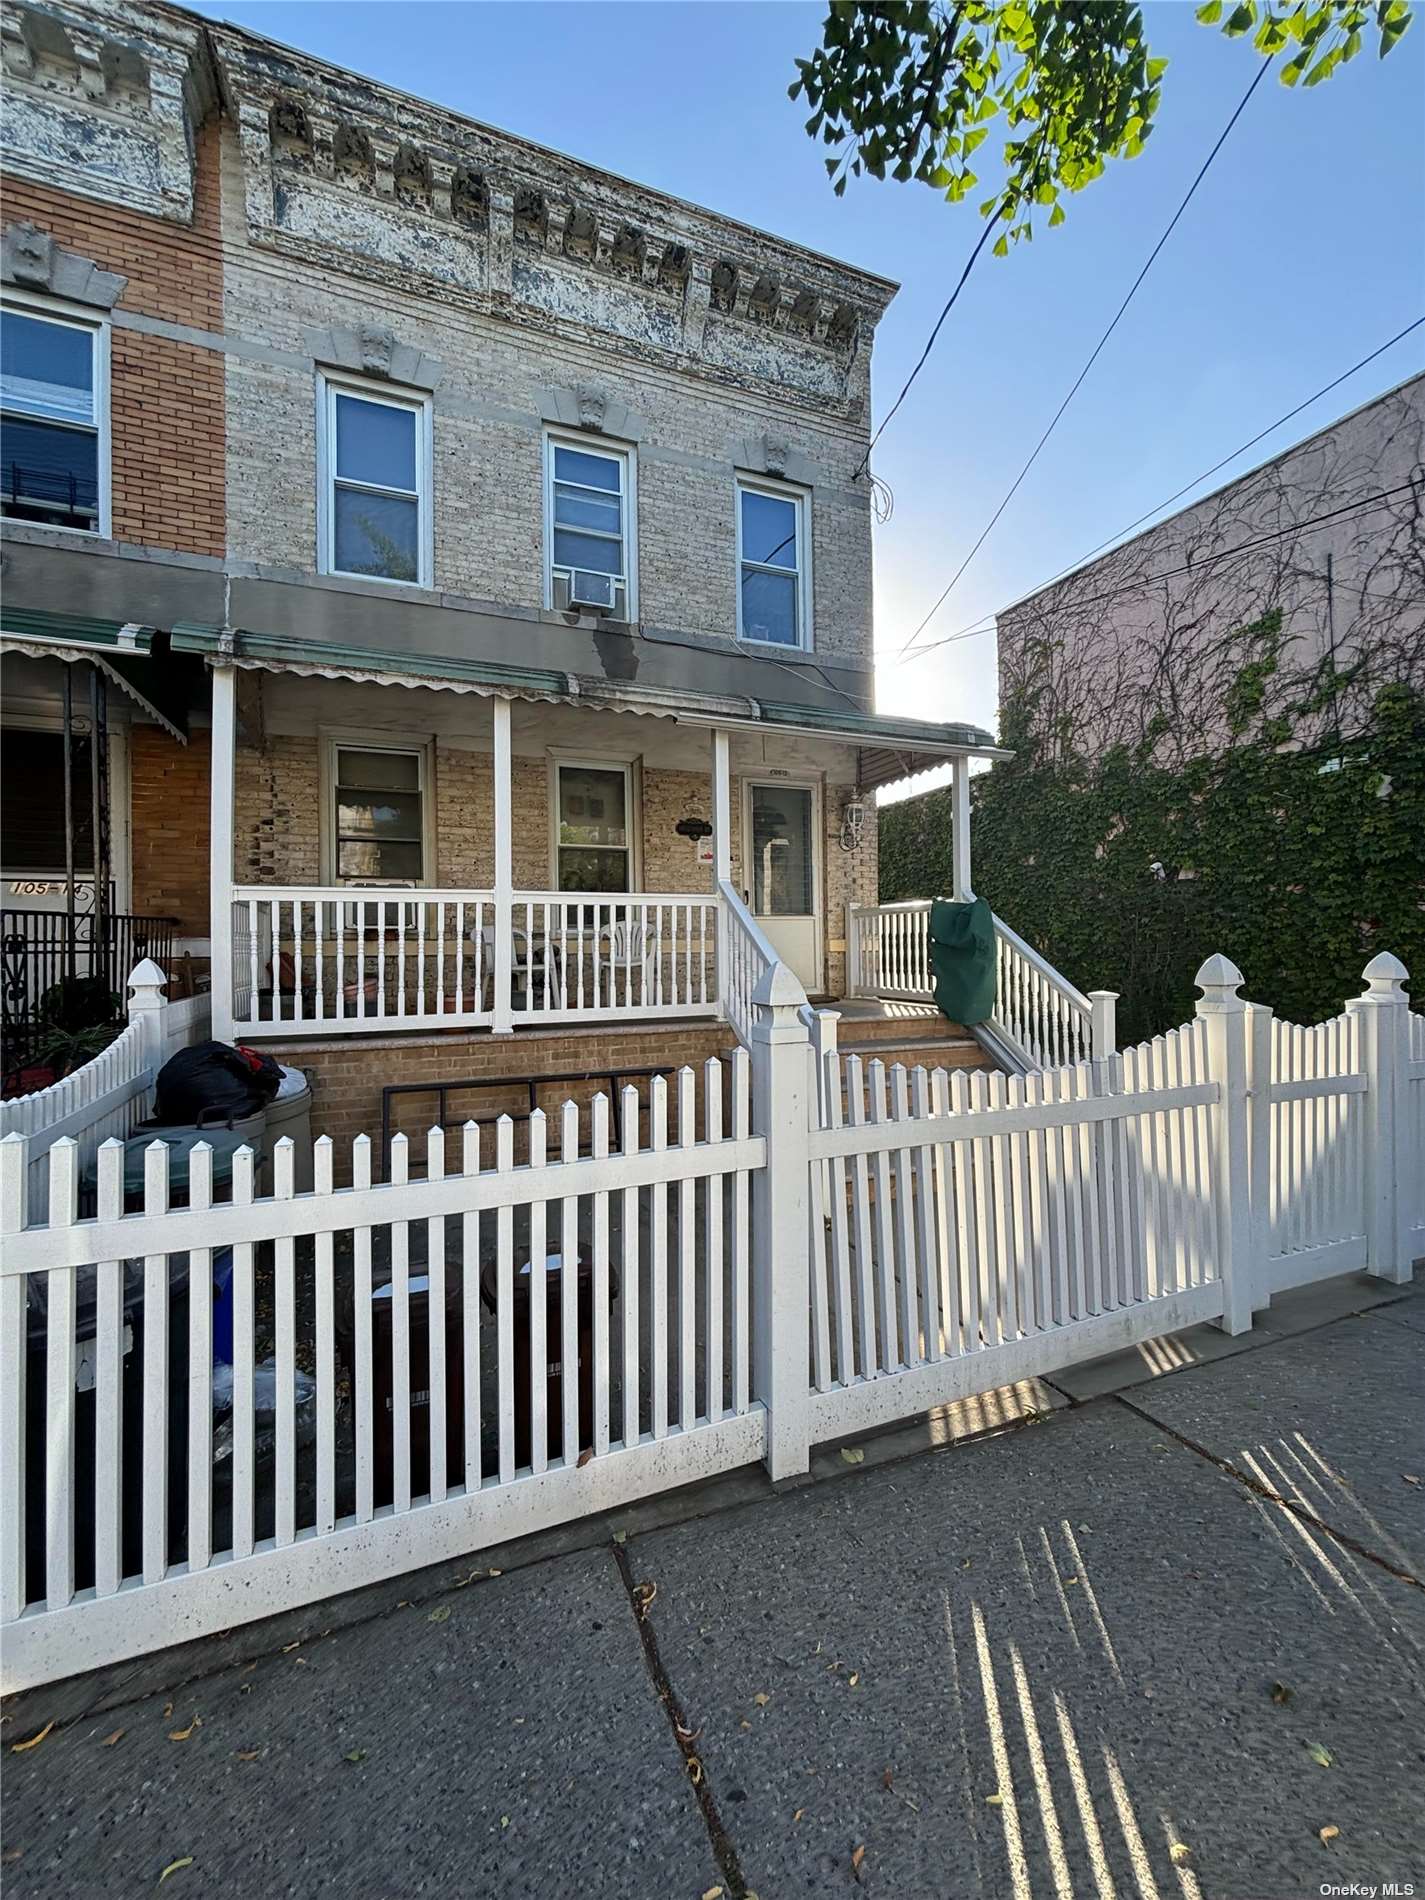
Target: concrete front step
(949, 1052)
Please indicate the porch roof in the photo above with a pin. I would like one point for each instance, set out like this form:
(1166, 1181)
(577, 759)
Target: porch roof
(887, 748)
(121, 650)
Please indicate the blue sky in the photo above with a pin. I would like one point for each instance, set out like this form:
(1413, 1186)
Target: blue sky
(1303, 249)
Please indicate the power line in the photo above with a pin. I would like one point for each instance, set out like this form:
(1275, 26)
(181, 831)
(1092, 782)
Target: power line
(930, 345)
(1364, 506)
(1242, 449)
(1096, 352)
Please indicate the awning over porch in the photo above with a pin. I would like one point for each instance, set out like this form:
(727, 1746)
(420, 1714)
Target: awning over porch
(887, 748)
(122, 652)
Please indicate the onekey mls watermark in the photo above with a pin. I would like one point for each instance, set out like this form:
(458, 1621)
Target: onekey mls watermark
(1368, 1890)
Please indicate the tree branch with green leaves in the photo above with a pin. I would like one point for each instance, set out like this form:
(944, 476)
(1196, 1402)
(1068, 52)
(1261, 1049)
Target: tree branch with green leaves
(911, 90)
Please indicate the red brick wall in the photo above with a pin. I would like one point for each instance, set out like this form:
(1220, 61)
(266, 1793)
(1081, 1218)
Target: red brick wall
(348, 1074)
(166, 398)
(169, 825)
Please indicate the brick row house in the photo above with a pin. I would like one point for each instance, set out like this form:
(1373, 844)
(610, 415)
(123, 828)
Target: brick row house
(437, 573)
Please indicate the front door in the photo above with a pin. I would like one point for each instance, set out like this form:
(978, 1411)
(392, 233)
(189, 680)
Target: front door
(780, 842)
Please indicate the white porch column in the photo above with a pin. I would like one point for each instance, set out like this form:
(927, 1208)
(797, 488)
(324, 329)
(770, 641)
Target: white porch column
(721, 809)
(504, 867)
(961, 888)
(222, 769)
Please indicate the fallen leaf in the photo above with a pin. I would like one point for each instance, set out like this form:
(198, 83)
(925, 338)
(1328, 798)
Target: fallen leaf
(167, 1709)
(994, 1800)
(355, 1754)
(11, 1855)
(182, 1734)
(1069, 1580)
(1281, 1694)
(854, 1678)
(1409, 1477)
(858, 1854)
(965, 1564)
(584, 1456)
(852, 1455)
(287, 1648)
(301, 1660)
(247, 1754)
(798, 1815)
(620, 1537)
(109, 1740)
(246, 1668)
(504, 1820)
(744, 1723)
(761, 1698)
(1321, 1756)
(18, 1748)
(174, 1866)
(441, 1615)
(695, 1770)
(712, 1893)
(1178, 1852)
(494, 1573)
(1327, 1834)
(886, 1781)
(643, 1595)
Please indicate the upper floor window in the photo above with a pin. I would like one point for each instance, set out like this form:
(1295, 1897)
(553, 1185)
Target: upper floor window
(589, 517)
(773, 567)
(374, 493)
(54, 417)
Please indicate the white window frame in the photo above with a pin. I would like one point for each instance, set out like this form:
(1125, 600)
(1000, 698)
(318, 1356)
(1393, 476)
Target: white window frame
(633, 815)
(354, 739)
(801, 497)
(624, 453)
(75, 316)
(330, 385)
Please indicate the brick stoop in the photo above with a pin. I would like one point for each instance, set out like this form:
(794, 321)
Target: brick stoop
(914, 1034)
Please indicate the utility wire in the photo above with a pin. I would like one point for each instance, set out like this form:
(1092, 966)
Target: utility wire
(1364, 506)
(1094, 356)
(930, 345)
(1242, 449)
(1122, 534)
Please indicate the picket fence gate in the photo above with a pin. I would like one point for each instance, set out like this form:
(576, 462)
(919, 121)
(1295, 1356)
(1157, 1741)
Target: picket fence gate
(212, 1412)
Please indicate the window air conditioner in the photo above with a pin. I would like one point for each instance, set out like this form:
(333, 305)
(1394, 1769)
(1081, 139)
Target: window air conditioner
(589, 589)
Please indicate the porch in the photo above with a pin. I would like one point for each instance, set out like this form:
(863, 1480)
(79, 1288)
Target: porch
(632, 862)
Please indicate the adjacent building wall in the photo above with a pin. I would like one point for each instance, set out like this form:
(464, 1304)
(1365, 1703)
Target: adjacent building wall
(1144, 634)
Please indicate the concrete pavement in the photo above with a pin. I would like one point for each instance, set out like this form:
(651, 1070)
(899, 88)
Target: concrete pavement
(1151, 1644)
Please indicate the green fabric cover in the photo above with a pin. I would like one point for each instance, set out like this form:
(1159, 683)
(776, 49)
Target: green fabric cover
(962, 955)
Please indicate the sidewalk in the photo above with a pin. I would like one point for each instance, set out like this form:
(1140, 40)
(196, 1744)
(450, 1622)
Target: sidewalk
(1038, 1663)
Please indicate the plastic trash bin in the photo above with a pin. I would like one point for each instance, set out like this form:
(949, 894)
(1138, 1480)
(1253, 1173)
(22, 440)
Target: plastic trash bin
(290, 1113)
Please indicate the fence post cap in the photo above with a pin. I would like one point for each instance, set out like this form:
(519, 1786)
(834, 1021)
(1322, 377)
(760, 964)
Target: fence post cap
(1112, 996)
(778, 988)
(1386, 975)
(146, 976)
(1219, 973)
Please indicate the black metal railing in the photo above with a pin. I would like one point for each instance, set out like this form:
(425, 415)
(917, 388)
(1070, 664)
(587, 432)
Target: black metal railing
(42, 949)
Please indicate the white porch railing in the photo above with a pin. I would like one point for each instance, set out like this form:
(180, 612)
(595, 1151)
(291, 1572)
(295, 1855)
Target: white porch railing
(1039, 1011)
(608, 958)
(329, 961)
(745, 956)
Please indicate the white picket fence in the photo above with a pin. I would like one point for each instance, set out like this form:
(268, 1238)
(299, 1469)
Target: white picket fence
(109, 1094)
(785, 1248)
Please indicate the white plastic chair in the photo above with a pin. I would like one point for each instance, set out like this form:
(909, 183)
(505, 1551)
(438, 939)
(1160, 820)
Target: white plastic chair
(527, 966)
(624, 949)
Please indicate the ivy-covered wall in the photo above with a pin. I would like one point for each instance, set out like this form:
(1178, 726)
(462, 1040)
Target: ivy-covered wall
(1296, 852)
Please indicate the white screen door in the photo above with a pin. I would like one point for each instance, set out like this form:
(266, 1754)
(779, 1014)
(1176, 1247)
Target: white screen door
(779, 832)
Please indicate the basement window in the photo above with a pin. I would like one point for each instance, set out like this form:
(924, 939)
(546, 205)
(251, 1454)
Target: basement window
(54, 416)
(374, 487)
